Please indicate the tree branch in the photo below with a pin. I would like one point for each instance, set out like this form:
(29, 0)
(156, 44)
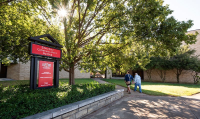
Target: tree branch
(44, 11)
(84, 14)
(79, 17)
(80, 57)
(101, 31)
(66, 69)
(91, 19)
(72, 13)
(116, 50)
(6, 2)
(89, 39)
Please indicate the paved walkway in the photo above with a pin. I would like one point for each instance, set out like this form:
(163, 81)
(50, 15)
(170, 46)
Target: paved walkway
(137, 105)
(6, 79)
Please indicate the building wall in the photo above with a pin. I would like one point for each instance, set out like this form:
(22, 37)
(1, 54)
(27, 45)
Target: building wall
(24, 71)
(13, 71)
(108, 74)
(186, 76)
(196, 46)
(21, 71)
(77, 72)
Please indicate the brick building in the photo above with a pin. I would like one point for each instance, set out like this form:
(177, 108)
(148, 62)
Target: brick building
(21, 71)
(185, 77)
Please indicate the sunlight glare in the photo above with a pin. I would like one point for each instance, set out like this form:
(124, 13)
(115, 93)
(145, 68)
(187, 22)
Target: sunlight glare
(62, 12)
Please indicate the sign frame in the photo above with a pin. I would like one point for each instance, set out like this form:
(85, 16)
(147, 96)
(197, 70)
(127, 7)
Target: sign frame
(45, 73)
(31, 53)
(38, 57)
(55, 82)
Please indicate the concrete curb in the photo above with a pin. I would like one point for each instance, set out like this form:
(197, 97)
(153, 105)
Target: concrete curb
(80, 108)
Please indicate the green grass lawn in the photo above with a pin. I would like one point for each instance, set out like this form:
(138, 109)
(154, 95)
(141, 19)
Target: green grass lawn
(78, 81)
(162, 89)
(18, 82)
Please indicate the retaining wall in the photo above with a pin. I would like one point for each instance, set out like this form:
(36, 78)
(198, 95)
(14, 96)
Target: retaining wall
(81, 108)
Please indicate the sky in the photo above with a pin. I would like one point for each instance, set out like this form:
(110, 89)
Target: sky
(185, 10)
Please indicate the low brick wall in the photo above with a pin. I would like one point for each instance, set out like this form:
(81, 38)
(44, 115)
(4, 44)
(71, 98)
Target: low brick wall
(81, 108)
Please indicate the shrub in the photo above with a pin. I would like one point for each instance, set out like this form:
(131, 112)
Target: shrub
(19, 101)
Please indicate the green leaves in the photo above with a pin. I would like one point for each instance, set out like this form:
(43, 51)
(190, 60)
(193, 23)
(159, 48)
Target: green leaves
(182, 60)
(18, 21)
(17, 101)
(97, 34)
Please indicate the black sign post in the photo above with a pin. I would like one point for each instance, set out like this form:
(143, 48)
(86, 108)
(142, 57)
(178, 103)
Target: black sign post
(48, 55)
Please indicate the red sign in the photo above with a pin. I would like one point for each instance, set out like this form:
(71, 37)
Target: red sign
(45, 74)
(45, 51)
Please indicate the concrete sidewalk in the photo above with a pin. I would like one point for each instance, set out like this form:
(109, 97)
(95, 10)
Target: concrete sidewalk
(137, 105)
(6, 79)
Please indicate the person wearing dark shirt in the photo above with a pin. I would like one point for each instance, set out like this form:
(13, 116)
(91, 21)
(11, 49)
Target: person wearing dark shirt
(128, 78)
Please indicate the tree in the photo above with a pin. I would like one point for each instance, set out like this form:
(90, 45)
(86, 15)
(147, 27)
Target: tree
(150, 66)
(18, 21)
(182, 62)
(91, 21)
(195, 67)
(5, 2)
(94, 30)
(134, 58)
(162, 65)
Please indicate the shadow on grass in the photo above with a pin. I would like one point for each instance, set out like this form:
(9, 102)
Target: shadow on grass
(172, 84)
(151, 92)
(154, 93)
(156, 83)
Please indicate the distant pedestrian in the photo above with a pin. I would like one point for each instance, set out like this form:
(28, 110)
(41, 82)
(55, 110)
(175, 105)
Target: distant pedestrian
(128, 79)
(137, 81)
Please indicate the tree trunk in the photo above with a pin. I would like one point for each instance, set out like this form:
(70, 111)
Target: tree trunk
(164, 77)
(178, 73)
(195, 77)
(149, 74)
(71, 75)
(162, 74)
(177, 76)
